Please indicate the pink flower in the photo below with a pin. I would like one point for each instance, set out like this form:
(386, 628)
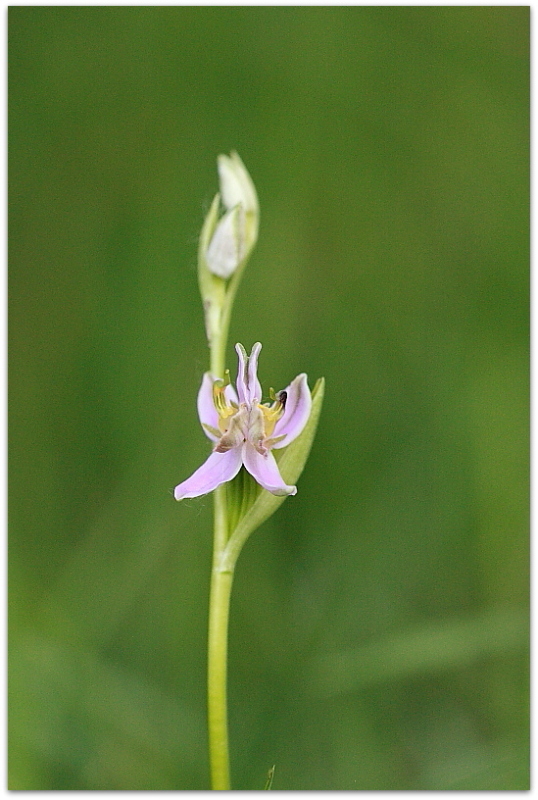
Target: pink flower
(245, 430)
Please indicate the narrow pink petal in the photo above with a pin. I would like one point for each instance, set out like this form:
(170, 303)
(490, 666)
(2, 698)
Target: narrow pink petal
(253, 383)
(241, 383)
(264, 469)
(248, 385)
(296, 412)
(219, 468)
(207, 412)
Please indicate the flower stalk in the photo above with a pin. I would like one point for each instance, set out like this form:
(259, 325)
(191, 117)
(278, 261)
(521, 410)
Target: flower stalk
(248, 479)
(217, 643)
(217, 650)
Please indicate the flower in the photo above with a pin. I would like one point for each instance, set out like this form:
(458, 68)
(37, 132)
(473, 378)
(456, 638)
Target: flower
(245, 430)
(236, 232)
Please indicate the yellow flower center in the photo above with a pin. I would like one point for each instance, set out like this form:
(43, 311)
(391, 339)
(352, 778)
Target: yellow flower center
(226, 409)
(271, 414)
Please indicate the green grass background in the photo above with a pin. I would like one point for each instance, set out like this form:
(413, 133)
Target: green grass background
(379, 620)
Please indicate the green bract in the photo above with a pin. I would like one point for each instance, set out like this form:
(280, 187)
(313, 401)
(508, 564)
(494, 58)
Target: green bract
(212, 288)
(249, 505)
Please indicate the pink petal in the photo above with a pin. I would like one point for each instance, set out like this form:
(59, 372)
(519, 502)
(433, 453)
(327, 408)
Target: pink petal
(219, 468)
(296, 411)
(248, 385)
(206, 407)
(253, 383)
(264, 469)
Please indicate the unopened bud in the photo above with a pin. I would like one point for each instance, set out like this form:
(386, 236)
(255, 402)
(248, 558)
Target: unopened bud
(236, 186)
(229, 233)
(227, 247)
(236, 232)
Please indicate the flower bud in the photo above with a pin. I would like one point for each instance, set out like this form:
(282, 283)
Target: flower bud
(236, 187)
(229, 233)
(236, 232)
(227, 247)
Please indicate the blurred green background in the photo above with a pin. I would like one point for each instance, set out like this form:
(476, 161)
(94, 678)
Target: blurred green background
(379, 626)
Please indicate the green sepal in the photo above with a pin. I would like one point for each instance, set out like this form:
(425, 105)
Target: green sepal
(212, 288)
(249, 505)
(241, 493)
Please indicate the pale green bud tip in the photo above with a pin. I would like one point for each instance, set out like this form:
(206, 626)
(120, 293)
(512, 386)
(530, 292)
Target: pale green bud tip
(236, 186)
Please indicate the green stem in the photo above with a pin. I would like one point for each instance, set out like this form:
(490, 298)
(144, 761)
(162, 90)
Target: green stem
(219, 610)
(219, 606)
(221, 585)
(216, 365)
(218, 343)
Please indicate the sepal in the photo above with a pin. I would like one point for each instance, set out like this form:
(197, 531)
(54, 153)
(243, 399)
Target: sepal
(212, 288)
